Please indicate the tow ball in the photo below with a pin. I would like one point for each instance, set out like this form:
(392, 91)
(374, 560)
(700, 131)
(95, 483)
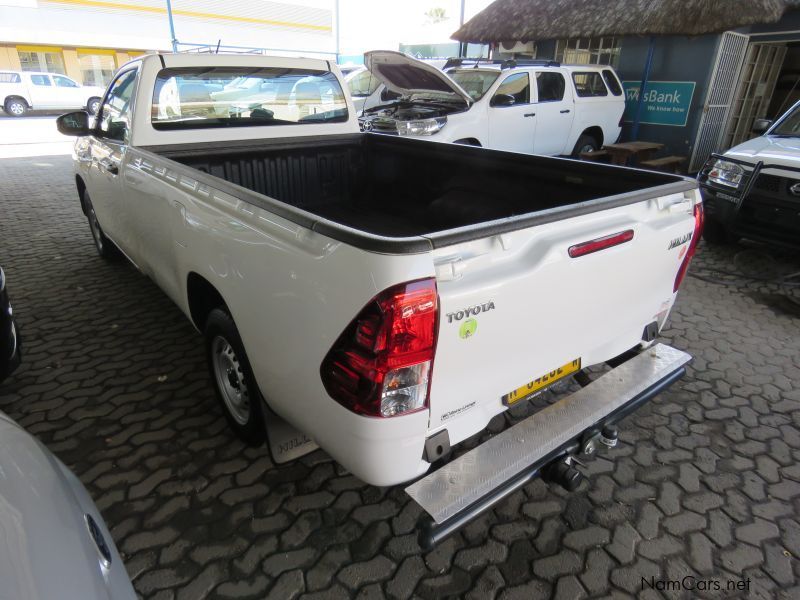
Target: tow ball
(563, 471)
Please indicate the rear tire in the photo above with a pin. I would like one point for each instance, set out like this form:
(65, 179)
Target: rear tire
(15, 107)
(104, 246)
(715, 232)
(234, 382)
(585, 143)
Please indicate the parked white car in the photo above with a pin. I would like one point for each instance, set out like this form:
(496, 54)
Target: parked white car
(535, 107)
(54, 541)
(23, 91)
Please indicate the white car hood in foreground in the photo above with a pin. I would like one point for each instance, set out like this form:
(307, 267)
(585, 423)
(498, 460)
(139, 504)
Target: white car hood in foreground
(410, 77)
(783, 151)
(45, 547)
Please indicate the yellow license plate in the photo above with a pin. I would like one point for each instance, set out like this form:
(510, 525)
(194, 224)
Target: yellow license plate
(540, 383)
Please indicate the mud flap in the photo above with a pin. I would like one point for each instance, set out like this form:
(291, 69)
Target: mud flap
(285, 442)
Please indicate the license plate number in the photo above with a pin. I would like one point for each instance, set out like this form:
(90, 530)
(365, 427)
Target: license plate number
(541, 383)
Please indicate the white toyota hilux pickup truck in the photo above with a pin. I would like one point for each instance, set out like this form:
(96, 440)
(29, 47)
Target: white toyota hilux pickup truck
(381, 296)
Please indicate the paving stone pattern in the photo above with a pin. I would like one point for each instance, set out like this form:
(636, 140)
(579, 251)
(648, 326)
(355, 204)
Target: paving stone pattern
(705, 481)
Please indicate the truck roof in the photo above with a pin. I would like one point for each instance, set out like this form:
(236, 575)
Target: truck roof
(176, 60)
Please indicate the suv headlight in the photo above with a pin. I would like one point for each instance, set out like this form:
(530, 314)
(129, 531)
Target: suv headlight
(726, 173)
(421, 126)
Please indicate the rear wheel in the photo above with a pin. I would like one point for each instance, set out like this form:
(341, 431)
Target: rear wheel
(585, 143)
(15, 107)
(233, 378)
(93, 105)
(104, 246)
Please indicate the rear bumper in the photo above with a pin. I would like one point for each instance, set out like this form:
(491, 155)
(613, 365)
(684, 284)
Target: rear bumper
(471, 484)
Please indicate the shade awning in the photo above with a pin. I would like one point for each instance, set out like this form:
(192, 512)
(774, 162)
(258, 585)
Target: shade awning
(536, 20)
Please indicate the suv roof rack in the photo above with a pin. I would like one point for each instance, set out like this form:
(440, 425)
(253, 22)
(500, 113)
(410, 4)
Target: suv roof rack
(507, 63)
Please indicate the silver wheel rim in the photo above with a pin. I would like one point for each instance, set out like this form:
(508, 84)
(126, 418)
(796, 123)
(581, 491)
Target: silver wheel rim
(229, 374)
(16, 108)
(95, 227)
(586, 149)
(93, 106)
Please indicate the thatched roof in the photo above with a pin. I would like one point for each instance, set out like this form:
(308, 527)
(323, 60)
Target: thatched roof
(531, 20)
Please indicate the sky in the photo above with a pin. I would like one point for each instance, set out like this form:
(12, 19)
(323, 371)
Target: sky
(384, 24)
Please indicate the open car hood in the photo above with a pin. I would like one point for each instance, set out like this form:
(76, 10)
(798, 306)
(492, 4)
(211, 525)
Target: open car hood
(409, 77)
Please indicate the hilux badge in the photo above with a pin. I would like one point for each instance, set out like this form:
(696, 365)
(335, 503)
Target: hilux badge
(680, 240)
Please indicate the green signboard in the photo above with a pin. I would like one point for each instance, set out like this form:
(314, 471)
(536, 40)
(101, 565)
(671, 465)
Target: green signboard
(665, 102)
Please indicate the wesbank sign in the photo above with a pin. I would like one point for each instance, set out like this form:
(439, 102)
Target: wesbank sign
(664, 102)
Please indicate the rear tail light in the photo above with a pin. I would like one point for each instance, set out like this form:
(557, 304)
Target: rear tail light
(381, 364)
(698, 229)
(615, 239)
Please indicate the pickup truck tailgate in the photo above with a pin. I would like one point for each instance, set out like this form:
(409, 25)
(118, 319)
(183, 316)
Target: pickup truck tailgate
(517, 311)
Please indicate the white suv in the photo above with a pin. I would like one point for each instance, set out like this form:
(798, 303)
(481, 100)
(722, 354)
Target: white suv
(535, 106)
(21, 91)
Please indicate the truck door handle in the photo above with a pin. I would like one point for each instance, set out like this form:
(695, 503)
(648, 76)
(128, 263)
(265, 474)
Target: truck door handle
(566, 110)
(108, 166)
(529, 115)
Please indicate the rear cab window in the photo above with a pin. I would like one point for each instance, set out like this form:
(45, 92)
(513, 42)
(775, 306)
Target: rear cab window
(10, 78)
(202, 97)
(589, 84)
(612, 82)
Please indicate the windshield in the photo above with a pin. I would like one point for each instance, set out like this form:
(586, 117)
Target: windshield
(202, 97)
(475, 83)
(790, 125)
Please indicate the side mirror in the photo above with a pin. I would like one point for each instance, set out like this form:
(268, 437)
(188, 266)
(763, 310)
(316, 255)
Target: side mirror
(760, 126)
(502, 100)
(74, 123)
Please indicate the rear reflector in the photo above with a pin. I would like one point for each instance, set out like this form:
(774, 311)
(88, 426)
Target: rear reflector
(615, 239)
(699, 219)
(381, 364)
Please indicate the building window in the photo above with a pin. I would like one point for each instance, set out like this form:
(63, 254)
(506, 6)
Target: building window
(35, 59)
(588, 51)
(96, 68)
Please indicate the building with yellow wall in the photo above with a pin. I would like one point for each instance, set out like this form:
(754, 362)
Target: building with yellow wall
(89, 39)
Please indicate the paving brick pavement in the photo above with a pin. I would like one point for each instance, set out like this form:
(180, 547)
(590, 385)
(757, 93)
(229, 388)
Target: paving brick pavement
(706, 481)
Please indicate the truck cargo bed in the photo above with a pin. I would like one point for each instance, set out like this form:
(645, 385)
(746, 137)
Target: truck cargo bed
(399, 188)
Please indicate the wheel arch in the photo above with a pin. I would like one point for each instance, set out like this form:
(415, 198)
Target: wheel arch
(596, 132)
(18, 97)
(81, 185)
(202, 297)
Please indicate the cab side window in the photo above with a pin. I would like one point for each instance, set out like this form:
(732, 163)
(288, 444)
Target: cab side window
(518, 86)
(113, 117)
(363, 84)
(589, 84)
(612, 82)
(550, 86)
(64, 82)
(40, 80)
